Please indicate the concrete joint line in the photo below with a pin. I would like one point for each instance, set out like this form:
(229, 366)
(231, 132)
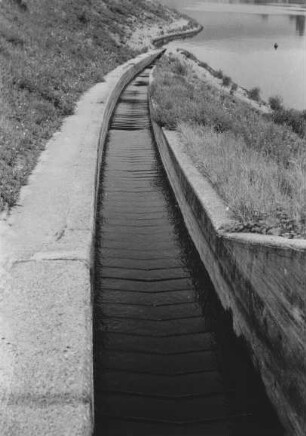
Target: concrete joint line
(47, 258)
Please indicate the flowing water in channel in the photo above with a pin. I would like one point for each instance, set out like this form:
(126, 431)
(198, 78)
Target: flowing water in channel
(239, 38)
(166, 359)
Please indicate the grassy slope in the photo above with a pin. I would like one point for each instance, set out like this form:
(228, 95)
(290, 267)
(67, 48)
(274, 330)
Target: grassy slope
(257, 166)
(51, 52)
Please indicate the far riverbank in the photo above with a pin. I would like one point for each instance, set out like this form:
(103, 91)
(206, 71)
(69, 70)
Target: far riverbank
(258, 44)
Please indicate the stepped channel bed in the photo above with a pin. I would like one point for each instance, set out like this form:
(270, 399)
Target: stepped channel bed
(166, 359)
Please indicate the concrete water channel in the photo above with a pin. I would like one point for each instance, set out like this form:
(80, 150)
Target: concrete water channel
(166, 359)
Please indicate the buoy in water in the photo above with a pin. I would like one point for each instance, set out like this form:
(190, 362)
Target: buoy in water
(276, 46)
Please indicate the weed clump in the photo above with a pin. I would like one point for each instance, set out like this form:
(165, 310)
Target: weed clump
(292, 118)
(22, 4)
(234, 88)
(226, 81)
(254, 94)
(179, 67)
(219, 74)
(276, 103)
(203, 64)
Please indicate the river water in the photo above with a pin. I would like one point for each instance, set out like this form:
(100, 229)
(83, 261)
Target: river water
(239, 38)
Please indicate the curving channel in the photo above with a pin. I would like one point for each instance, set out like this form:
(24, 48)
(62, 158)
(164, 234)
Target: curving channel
(166, 359)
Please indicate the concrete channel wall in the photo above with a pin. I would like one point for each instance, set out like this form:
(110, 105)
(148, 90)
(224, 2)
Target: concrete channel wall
(46, 244)
(260, 279)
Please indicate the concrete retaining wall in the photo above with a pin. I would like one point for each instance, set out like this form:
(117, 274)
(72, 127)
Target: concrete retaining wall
(260, 279)
(158, 42)
(46, 361)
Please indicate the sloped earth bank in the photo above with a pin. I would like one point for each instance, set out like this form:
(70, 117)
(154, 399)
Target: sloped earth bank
(257, 166)
(166, 359)
(51, 53)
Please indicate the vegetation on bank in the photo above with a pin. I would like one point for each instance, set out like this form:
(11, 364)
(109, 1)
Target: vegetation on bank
(292, 118)
(50, 53)
(257, 165)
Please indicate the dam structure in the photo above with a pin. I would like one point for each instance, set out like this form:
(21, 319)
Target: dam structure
(166, 361)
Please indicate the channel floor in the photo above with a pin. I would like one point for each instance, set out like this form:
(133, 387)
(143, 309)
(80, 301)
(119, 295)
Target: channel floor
(166, 359)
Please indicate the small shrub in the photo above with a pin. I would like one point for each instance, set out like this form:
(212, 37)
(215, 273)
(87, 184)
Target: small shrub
(292, 118)
(222, 123)
(234, 88)
(276, 103)
(254, 94)
(12, 37)
(189, 55)
(179, 67)
(118, 9)
(226, 81)
(203, 64)
(21, 4)
(219, 74)
(82, 17)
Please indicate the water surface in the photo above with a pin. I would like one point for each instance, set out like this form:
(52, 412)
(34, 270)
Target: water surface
(239, 38)
(167, 362)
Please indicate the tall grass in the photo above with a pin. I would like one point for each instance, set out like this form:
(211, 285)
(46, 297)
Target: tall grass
(292, 118)
(254, 186)
(183, 97)
(258, 166)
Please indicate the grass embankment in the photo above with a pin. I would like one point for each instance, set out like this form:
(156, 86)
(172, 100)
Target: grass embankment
(292, 118)
(50, 53)
(256, 165)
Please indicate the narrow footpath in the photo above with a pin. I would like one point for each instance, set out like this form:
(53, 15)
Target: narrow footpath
(166, 360)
